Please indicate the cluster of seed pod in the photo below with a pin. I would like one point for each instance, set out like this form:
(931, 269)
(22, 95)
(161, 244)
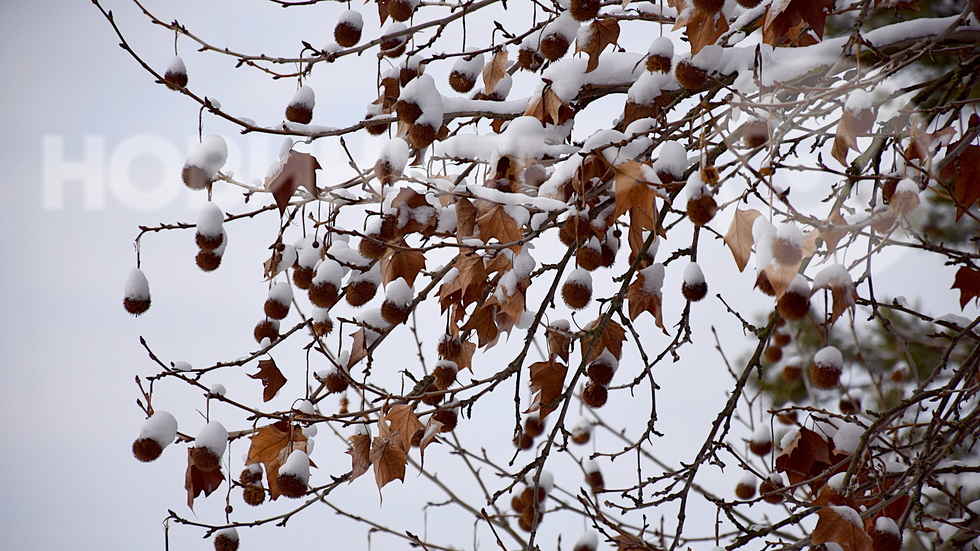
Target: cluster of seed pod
(600, 372)
(528, 499)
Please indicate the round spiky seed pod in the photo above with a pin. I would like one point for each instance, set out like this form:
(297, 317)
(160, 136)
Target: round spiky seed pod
(577, 290)
(432, 397)
(886, 536)
(226, 540)
(176, 74)
(136, 292)
(322, 324)
(710, 6)
(793, 305)
(402, 10)
(582, 435)
(209, 261)
(303, 277)
(335, 382)
(781, 339)
(394, 46)
(849, 406)
(755, 133)
(449, 347)
(594, 395)
(147, 449)
(460, 82)
(205, 459)
(372, 249)
(763, 284)
(533, 426)
(375, 129)
(602, 369)
(266, 329)
(361, 291)
(554, 46)
(771, 489)
(277, 305)
(347, 33)
(291, 486)
(448, 418)
(253, 495)
(527, 521)
(883, 219)
(408, 111)
(517, 502)
(791, 373)
(826, 368)
(529, 59)
(694, 288)
(658, 63)
(773, 354)
(323, 294)
(786, 251)
(905, 199)
(748, 4)
(208, 242)
(745, 489)
(584, 10)
(422, 135)
(445, 373)
(575, 230)
(761, 443)
(300, 108)
(595, 481)
(701, 209)
(250, 475)
(589, 255)
(689, 75)
(523, 441)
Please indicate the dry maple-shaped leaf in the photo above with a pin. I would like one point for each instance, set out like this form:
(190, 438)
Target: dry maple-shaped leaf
(272, 378)
(786, 20)
(465, 358)
(807, 455)
(781, 275)
(469, 284)
(198, 480)
(271, 445)
(358, 349)
(415, 210)
(465, 219)
(610, 337)
(704, 29)
(739, 237)
(559, 341)
(494, 71)
(635, 193)
(432, 429)
(402, 418)
(402, 263)
(360, 455)
(483, 321)
(388, 455)
(548, 108)
(602, 32)
(843, 526)
(967, 280)
(640, 300)
(830, 235)
(298, 170)
(382, 10)
(965, 173)
(856, 120)
(546, 380)
(496, 223)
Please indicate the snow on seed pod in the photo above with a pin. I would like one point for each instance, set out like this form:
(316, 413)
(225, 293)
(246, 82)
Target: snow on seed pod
(136, 292)
(294, 475)
(206, 450)
(176, 74)
(300, 108)
(203, 164)
(277, 304)
(210, 227)
(157, 432)
(347, 32)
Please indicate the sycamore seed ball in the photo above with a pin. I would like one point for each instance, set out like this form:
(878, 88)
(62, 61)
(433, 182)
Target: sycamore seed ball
(745, 489)
(347, 33)
(710, 6)
(826, 369)
(136, 293)
(226, 539)
(157, 432)
(577, 290)
(595, 395)
(402, 10)
(176, 74)
(300, 108)
(584, 10)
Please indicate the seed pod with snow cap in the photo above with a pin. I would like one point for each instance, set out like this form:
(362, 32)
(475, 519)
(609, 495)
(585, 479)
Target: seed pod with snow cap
(533, 425)
(448, 415)
(420, 104)
(701, 206)
(334, 380)
(671, 163)
(325, 287)
(136, 292)
(593, 476)
(577, 290)
(308, 254)
(203, 164)
(206, 450)
(347, 33)
(393, 46)
(584, 10)
(787, 247)
(745, 489)
(277, 304)
(322, 324)
(157, 432)
(226, 539)
(582, 432)
(589, 254)
(372, 246)
(795, 302)
(210, 227)
(362, 287)
(294, 475)
(761, 442)
(905, 199)
(660, 55)
(449, 347)
(300, 108)
(398, 301)
(755, 133)
(529, 58)
(692, 72)
(588, 542)
(886, 536)
(465, 73)
(771, 489)
(602, 369)
(694, 287)
(445, 373)
(176, 74)
(402, 10)
(210, 261)
(826, 369)
(391, 161)
(558, 36)
(595, 395)
(266, 329)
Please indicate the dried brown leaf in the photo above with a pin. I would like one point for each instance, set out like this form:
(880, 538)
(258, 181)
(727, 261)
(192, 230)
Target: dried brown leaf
(404, 264)
(198, 480)
(635, 193)
(967, 280)
(271, 445)
(272, 378)
(299, 170)
(704, 29)
(605, 31)
(639, 301)
(494, 71)
(832, 527)
(497, 224)
(546, 380)
(402, 419)
(739, 237)
(360, 455)
(610, 338)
